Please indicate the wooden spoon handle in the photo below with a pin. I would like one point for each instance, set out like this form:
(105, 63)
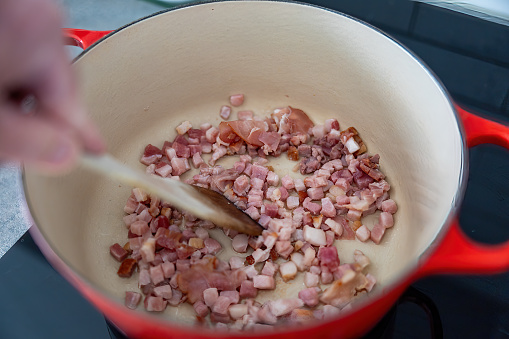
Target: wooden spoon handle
(202, 203)
(173, 191)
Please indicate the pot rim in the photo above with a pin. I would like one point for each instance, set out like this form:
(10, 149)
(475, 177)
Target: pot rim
(405, 276)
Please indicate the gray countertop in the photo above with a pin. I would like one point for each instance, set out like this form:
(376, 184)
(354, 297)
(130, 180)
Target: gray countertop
(90, 14)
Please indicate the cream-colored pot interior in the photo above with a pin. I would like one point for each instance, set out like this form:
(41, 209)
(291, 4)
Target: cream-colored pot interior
(180, 65)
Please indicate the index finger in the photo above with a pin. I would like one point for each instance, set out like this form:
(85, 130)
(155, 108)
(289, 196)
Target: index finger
(57, 97)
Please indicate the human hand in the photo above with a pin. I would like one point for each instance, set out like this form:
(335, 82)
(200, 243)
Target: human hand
(33, 62)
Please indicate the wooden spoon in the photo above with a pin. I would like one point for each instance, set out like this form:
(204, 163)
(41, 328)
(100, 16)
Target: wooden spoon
(201, 202)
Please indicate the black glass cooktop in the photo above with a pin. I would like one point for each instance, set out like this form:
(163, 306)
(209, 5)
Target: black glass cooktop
(471, 57)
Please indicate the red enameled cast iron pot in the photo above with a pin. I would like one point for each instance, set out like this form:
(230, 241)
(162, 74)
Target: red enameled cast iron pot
(143, 79)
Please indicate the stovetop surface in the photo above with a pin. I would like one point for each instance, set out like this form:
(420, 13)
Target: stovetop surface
(471, 57)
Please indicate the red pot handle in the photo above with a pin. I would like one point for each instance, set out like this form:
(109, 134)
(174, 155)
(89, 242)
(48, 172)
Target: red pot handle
(81, 37)
(457, 253)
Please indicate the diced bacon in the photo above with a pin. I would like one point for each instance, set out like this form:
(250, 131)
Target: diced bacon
(238, 311)
(210, 296)
(260, 255)
(389, 206)
(318, 131)
(127, 268)
(300, 315)
(309, 256)
(176, 298)
(140, 195)
(336, 227)
(309, 296)
(298, 259)
(179, 166)
(245, 115)
(299, 185)
(132, 299)
(314, 236)
(232, 295)
(181, 150)
(253, 211)
(156, 274)
(152, 150)
(205, 126)
(221, 305)
(282, 307)
(331, 124)
(386, 219)
(237, 99)
(269, 268)
(147, 250)
(363, 233)
(164, 291)
(241, 185)
(259, 172)
(263, 282)
(292, 202)
(171, 153)
(201, 309)
(213, 246)
(131, 205)
(247, 289)
(265, 315)
(371, 282)
(225, 111)
(139, 227)
(311, 279)
(168, 269)
(352, 145)
(312, 207)
(239, 166)
(255, 242)
(144, 277)
(257, 183)
(271, 209)
(287, 182)
(150, 160)
(196, 243)
(315, 193)
(326, 276)
(236, 262)
(270, 240)
(377, 232)
(360, 259)
(197, 160)
(328, 209)
(217, 154)
(264, 220)
(342, 291)
(184, 127)
(288, 270)
(239, 243)
(329, 257)
(284, 193)
(118, 252)
(211, 134)
(284, 248)
(272, 179)
(354, 215)
(155, 304)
